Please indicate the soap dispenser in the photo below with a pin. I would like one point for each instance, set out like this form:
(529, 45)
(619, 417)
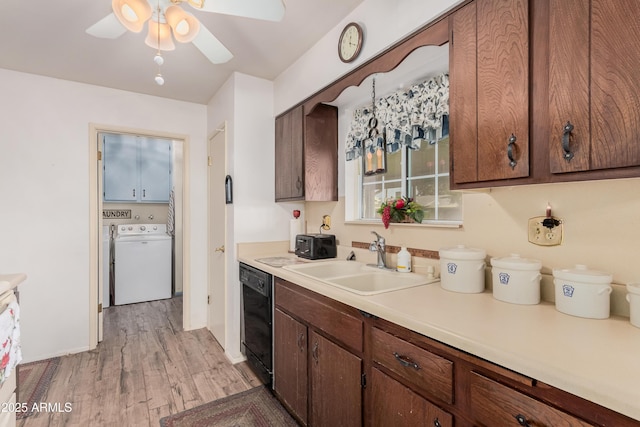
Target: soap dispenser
(404, 261)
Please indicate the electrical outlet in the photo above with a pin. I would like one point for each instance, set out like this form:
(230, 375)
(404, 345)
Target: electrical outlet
(545, 231)
(326, 222)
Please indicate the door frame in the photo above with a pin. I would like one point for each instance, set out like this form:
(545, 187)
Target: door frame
(95, 222)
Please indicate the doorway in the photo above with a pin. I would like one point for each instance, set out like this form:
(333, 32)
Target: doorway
(148, 214)
(219, 195)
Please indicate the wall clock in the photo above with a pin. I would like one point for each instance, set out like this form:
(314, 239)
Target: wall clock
(350, 42)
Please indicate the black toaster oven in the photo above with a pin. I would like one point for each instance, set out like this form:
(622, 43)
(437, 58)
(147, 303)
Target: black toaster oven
(316, 246)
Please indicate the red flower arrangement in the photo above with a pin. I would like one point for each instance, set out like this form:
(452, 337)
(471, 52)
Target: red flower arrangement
(403, 209)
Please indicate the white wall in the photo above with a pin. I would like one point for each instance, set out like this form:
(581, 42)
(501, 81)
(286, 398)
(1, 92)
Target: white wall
(246, 104)
(384, 22)
(44, 188)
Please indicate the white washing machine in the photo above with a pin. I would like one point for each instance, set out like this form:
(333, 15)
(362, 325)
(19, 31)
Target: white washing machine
(142, 263)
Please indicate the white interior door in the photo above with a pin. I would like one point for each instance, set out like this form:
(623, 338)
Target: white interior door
(217, 236)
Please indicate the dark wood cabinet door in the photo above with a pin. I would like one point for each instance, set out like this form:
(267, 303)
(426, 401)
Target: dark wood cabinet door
(490, 68)
(290, 363)
(336, 391)
(289, 155)
(463, 88)
(503, 89)
(321, 154)
(594, 84)
(393, 404)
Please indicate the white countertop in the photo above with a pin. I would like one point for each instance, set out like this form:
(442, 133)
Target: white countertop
(11, 281)
(598, 360)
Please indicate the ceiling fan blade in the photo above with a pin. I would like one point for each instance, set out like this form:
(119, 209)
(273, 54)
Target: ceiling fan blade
(211, 47)
(268, 10)
(107, 28)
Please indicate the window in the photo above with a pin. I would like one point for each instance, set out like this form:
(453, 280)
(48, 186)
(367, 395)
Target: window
(417, 154)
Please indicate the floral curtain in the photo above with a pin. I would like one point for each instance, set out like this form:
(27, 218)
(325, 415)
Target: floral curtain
(406, 117)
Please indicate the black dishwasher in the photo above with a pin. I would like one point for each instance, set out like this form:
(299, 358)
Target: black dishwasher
(257, 316)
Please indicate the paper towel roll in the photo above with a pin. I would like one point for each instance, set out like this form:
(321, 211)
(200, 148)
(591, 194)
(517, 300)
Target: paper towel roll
(295, 228)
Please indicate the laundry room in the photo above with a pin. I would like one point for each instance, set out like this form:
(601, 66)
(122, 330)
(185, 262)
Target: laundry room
(141, 217)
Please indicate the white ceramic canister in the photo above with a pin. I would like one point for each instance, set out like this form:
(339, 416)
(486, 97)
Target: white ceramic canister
(633, 297)
(582, 292)
(462, 269)
(516, 280)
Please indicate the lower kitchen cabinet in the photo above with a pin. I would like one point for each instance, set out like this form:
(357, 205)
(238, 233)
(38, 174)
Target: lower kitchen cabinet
(496, 405)
(394, 404)
(336, 389)
(337, 366)
(318, 357)
(290, 363)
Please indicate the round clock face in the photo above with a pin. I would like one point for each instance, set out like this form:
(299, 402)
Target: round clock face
(350, 42)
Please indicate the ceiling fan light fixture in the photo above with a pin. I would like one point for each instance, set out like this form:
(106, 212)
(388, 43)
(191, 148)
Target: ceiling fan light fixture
(164, 36)
(185, 26)
(132, 14)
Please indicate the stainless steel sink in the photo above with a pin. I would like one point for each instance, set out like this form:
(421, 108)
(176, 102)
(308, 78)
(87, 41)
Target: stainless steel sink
(359, 278)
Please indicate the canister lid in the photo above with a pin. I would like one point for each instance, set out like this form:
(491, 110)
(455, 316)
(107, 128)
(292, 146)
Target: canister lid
(462, 252)
(580, 273)
(633, 288)
(516, 262)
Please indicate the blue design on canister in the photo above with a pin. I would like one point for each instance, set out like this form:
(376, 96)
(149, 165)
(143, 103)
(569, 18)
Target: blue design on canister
(452, 267)
(504, 278)
(567, 290)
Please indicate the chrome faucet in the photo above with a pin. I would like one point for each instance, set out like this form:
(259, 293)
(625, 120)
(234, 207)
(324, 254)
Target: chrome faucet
(378, 246)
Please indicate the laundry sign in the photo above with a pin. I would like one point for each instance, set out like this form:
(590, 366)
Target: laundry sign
(116, 213)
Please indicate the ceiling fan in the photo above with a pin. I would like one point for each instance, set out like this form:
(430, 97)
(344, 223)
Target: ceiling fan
(167, 17)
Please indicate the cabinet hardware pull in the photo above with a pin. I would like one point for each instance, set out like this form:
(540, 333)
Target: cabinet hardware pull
(300, 340)
(510, 146)
(314, 352)
(522, 420)
(134, 192)
(436, 423)
(405, 361)
(298, 183)
(144, 193)
(566, 133)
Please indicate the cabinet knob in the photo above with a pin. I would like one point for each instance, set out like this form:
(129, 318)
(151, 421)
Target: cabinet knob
(510, 147)
(522, 420)
(436, 423)
(566, 133)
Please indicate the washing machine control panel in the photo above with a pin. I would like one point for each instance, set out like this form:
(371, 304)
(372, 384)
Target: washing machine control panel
(137, 229)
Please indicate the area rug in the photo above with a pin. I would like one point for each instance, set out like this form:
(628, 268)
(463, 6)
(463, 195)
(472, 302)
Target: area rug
(255, 408)
(33, 381)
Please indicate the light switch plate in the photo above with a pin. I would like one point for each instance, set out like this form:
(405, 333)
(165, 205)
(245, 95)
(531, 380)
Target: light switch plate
(545, 236)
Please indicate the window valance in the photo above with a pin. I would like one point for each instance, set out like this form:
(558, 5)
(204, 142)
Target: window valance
(407, 117)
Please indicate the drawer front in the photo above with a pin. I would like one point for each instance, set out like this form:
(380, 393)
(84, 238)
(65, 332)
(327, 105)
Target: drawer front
(496, 405)
(340, 325)
(418, 367)
(393, 404)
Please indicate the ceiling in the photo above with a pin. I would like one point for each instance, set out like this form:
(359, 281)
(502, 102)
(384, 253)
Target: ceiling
(47, 37)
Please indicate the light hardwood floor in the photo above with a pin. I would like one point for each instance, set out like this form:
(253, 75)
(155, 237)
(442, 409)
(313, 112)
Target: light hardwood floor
(146, 368)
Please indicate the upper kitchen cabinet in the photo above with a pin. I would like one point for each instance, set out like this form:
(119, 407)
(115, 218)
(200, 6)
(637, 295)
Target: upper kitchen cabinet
(136, 169)
(489, 91)
(594, 85)
(306, 154)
